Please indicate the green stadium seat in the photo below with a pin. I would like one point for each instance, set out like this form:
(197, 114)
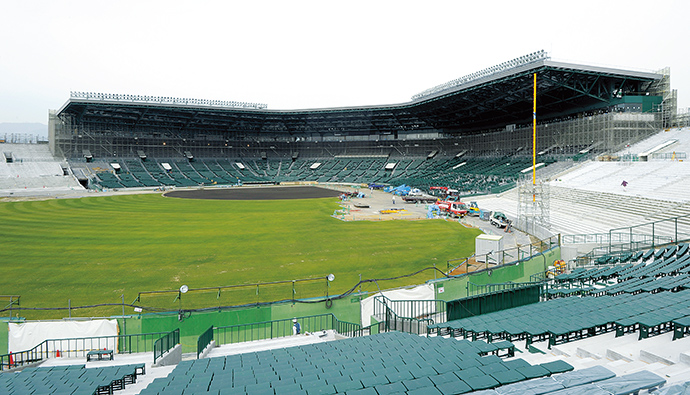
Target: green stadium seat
(425, 391)
(481, 382)
(557, 366)
(508, 376)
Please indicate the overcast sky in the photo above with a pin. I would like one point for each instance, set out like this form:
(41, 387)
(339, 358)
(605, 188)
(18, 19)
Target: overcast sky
(312, 54)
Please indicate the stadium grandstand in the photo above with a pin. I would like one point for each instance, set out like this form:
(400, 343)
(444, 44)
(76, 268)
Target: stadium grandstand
(607, 311)
(473, 134)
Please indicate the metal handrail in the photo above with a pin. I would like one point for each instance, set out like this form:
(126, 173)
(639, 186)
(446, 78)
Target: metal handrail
(281, 328)
(506, 258)
(394, 321)
(165, 344)
(204, 340)
(79, 347)
(409, 308)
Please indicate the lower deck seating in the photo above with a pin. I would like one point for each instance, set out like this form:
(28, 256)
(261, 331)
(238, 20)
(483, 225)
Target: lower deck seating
(567, 319)
(388, 363)
(470, 175)
(71, 379)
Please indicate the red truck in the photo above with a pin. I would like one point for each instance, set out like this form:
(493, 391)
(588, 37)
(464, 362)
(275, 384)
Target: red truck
(457, 209)
(453, 206)
(444, 204)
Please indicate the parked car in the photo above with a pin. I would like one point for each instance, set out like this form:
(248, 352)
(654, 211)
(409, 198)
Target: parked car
(499, 220)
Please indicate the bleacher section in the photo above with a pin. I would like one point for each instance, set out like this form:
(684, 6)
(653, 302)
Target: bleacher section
(469, 175)
(663, 179)
(648, 292)
(666, 269)
(384, 364)
(567, 319)
(70, 379)
(391, 363)
(150, 176)
(33, 169)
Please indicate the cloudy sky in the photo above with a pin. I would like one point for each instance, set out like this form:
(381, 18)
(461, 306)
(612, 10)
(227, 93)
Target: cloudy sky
(312, 54)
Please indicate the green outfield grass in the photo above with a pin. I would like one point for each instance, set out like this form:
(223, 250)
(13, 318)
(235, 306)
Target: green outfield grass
(93, 250)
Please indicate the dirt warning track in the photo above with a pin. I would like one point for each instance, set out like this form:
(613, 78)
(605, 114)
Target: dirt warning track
(256, 193)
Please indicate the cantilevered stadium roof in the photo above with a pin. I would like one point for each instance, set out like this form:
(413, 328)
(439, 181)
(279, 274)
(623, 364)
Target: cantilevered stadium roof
(489, 99)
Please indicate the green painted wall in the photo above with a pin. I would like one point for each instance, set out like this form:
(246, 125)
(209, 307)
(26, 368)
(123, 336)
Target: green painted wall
(194, 324)
(457, 288)
(346, 309)
(4, 337)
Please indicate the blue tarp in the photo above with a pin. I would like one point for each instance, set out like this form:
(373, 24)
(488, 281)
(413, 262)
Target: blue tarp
(400, 190)
(542, 385)
(676, 389)
(584, 376)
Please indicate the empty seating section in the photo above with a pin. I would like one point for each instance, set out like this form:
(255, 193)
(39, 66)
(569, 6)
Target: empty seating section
(108, 180)
(566, 319)
(469, 175)
(70, 379)
(388, 363)
(209, 176)
(666, 269)
(149, 173)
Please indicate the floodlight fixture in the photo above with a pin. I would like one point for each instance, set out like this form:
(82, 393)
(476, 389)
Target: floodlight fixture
(517, 62)
(164, 100)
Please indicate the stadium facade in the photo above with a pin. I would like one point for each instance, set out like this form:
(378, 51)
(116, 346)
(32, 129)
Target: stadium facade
(581, 110)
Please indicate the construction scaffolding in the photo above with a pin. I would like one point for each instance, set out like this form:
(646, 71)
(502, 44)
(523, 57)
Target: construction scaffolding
(669, 104)
(606, 132)
(534, 208)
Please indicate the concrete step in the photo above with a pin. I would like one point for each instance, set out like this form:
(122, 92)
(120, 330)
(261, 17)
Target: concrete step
(620, 366)
(674, 374)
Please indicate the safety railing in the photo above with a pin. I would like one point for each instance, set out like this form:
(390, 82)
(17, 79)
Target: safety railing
(203, 341)
(497, 259)
(434, 309)
(480, 289)
(165, 344)
(394, 322)
(349, 329)
(281, 328)
(494, 301)
(615, 238)
(411, 316)
(79, 347)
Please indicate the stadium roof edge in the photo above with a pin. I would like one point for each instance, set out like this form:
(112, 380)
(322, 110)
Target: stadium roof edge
(603, 70)
(255, 110)
(535, 66)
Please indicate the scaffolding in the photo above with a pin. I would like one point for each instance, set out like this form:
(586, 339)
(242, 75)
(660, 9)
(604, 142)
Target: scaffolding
(534, 208)
(682, 118)
(607, 132)
(669, 102)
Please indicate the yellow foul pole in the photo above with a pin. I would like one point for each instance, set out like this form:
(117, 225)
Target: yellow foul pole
(534, 138)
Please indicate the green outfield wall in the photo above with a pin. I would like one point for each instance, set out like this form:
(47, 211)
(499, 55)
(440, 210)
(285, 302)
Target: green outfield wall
(456, 288)
(192, 324)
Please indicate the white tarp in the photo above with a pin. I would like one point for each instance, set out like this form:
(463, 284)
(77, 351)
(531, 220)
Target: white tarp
(28, 335)
(421, 292)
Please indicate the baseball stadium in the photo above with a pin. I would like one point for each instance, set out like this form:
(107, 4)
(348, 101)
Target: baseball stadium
(522, 229)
